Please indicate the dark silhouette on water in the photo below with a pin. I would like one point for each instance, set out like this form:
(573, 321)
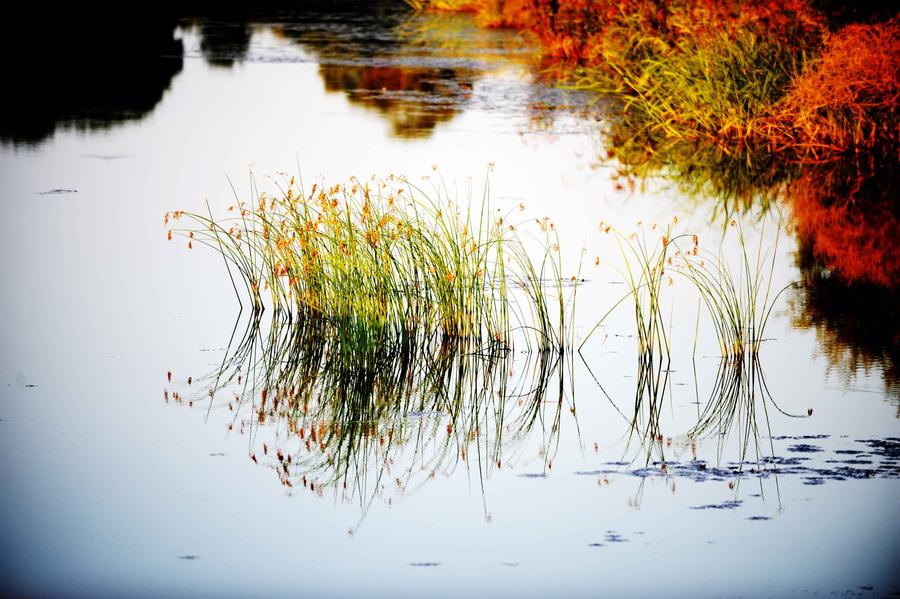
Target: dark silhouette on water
(91, 69)
(413, 100)
(224, 42)
(84, 69)
(361, 52)
(857, 325)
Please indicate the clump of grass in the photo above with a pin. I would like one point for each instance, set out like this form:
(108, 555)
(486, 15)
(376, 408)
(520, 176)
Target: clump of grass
(694, 91)
(585, 30)
(697, 114)
(733, 99)
(739, 300)
(847, 97)
(388, 300)
(643, 270)
(488, 13)
(386, 258)
(741, 113)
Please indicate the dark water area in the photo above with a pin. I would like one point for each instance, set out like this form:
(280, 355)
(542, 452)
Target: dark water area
(84, 70)
(163, 439)
(374, 52)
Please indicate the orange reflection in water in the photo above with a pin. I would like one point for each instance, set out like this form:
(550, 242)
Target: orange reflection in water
(856, 324)
(413, 100)
(847, 213)
(846, 217)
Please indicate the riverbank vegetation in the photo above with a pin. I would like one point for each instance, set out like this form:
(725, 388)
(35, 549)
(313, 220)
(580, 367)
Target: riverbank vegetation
(749, 102)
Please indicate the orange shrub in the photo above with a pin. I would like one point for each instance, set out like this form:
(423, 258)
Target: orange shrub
(847, 97)
(591, 31)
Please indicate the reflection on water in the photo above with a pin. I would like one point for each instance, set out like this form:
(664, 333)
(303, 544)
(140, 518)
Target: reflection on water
(361, 422)
(456, 433)
(414, 101)
(847, 212)
(848, 224)
(85, 69)
(856, 325)
(696, 168)
(416, 70)
(740, 403)
(376, 422)
(223, 42)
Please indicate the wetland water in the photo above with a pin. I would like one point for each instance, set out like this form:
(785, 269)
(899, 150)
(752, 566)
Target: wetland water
(517, 475)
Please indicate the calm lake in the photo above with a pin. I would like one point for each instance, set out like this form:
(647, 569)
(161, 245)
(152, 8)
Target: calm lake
(139, 459)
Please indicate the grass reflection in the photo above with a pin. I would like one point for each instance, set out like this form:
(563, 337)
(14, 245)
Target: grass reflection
(738, 404)
(366, 421)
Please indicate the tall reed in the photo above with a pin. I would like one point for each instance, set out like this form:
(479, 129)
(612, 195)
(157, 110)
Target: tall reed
(738, 300)
(386, 258)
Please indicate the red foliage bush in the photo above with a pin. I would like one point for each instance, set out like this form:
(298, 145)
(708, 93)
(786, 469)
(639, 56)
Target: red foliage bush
(590, 31)
(847, 97)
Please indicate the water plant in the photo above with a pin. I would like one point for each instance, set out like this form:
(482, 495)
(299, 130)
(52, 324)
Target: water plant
(643, 270)
(733, 99)
(697, 114)
(738, 300)
(845, 100)
(385, 258)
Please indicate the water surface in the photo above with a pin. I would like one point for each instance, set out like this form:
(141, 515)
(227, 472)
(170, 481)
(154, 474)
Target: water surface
(113, 485)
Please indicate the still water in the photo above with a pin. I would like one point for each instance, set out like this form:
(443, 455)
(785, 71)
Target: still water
(122, 476)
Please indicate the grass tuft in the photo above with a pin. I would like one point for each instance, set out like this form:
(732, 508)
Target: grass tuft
(385, 259)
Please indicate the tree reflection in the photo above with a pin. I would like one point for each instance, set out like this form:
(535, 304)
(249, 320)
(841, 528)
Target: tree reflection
(84, 69)
(224, 42)
(413, 100)
(94, 69)
(415, 70)
(856, 323)
(847, 220)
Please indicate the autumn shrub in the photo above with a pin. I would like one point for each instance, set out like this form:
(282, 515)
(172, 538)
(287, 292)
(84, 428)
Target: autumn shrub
(847, 97)
(743, 101)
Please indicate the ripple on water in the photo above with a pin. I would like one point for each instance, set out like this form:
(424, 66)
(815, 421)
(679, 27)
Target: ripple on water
(725, 505)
